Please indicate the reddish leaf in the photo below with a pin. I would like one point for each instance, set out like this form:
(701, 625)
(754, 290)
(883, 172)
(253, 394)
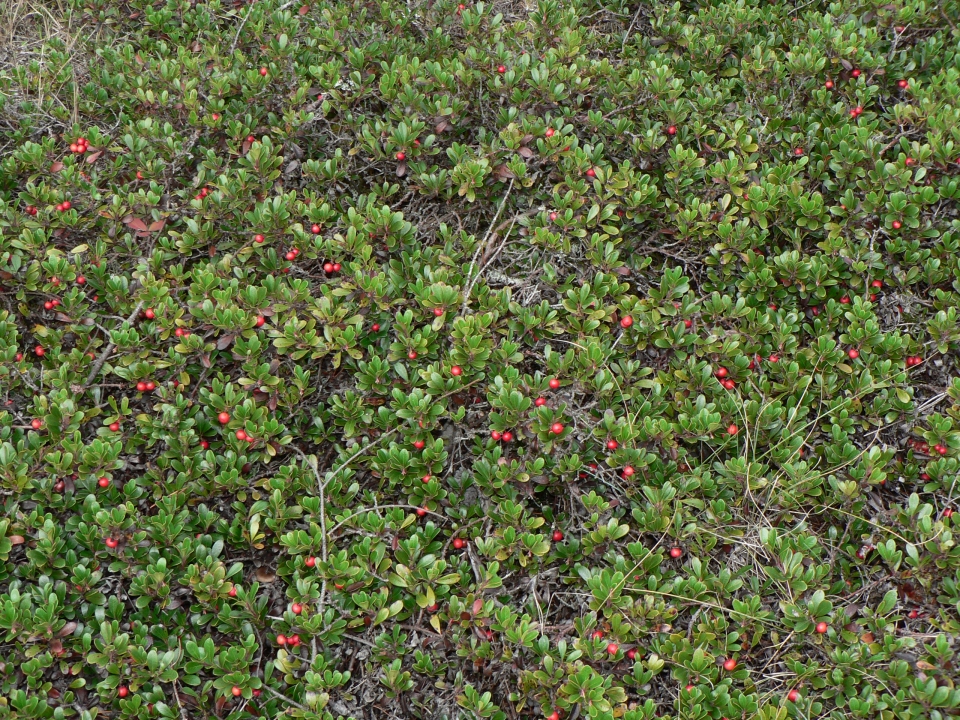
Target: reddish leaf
(525, 152)
(135, 223)
(224, 342)
(304, 9)
(157, 226)
(16, 539)
(401, 169)
(93, 157)
(56, 167)
(205, 360)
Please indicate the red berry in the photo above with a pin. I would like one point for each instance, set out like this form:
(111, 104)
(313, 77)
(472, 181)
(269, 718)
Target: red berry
(556, 428)
(550, 132)
(496, 435)
(263, 72)
(438, 311)
(115, 427)
(626, 322)
(508, 436)
(591, 172)
(774, 358)
(425, 479)
(281, 640)
(721, 373)
(236, 691)
(67, 205)
(375, 327)
(540, 402)
(296, 608)
(240, 435)
(672, 130)
(876, 283)
(676, 553)
(103, 482)
(612, 444)
(798, 151)
(204, 444)
(336, 267)
(597, 634)
(412, 355)
(401, 156)
(110, 543)
(122, 691)
(458, 543)
(856, 73)
(328, 267)
(853, 353)
(260, 321)
(223, 418)
(873, 297)
(39, 351)
(792, 696)
(828, 84)
(728, 384)
(179, 332)
(456, 371)
(554, 383)
(419, 444)
(613, 649)
(81, 280)
(632, 653)
(557, 536)
(553, 216)
(290, 256)
(141, 387)
(232, 592)
(732, 429)
(150, 385)
(628, 471)
(310, 561)
(897, 224)
(36, 423)
(421, 512)
(315, 229)
(553, 716)
(903, 84)
(688, 324)
(909, 161)
(730, 665)
(948, 512)
(48, 305)
(821, 627)
(501, 69)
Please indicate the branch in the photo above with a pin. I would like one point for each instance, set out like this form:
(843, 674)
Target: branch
(107, 351)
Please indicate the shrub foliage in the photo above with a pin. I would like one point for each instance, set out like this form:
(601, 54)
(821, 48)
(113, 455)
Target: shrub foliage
(408, 360)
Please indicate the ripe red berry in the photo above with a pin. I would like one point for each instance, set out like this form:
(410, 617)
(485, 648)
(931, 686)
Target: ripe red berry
(240, 435)
(721, 373)
(291, 256)
(821, 627)
(122, 691)
(204, 444)
(110, 543)
(115, 427)
(873, 297)
(597, 635)
(456, 371)
(281, 640)
(232, 592)
(412, 355)
(141, 387)
(729, 664)
(438, 311)
(496, 435)
(876, 283)
(798, 151)
(81, 280)
(401, 156)
(853, 353)
(553, 716)
(223, 418)
(948, 512)
(856, 72)
(553, 216)
(792, 696)
(612, 444)
(828, 84)
(676, 553)
(557, 536)
(732, 429)
(613, 649)
(728, 384)
(425, 479)
(501, 69)
(632, 653)
(628, 471)
(103, 482)
(375, 327)
(296, 608)
(236, 691)
(260, 321)
(263, 72)
(39, 351)
(903, 84)
(897, 224)
(540, 402)
(419, 444)
(591, 172)
(310, 561)
(36, 423)
(48, 305)
(550, 132)
(688, 324)
(554, 383)
(626, 321)
(421, 512)
(556, 428)
(458, 543)
(672, 130)
(336, 267)
(328, 268)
